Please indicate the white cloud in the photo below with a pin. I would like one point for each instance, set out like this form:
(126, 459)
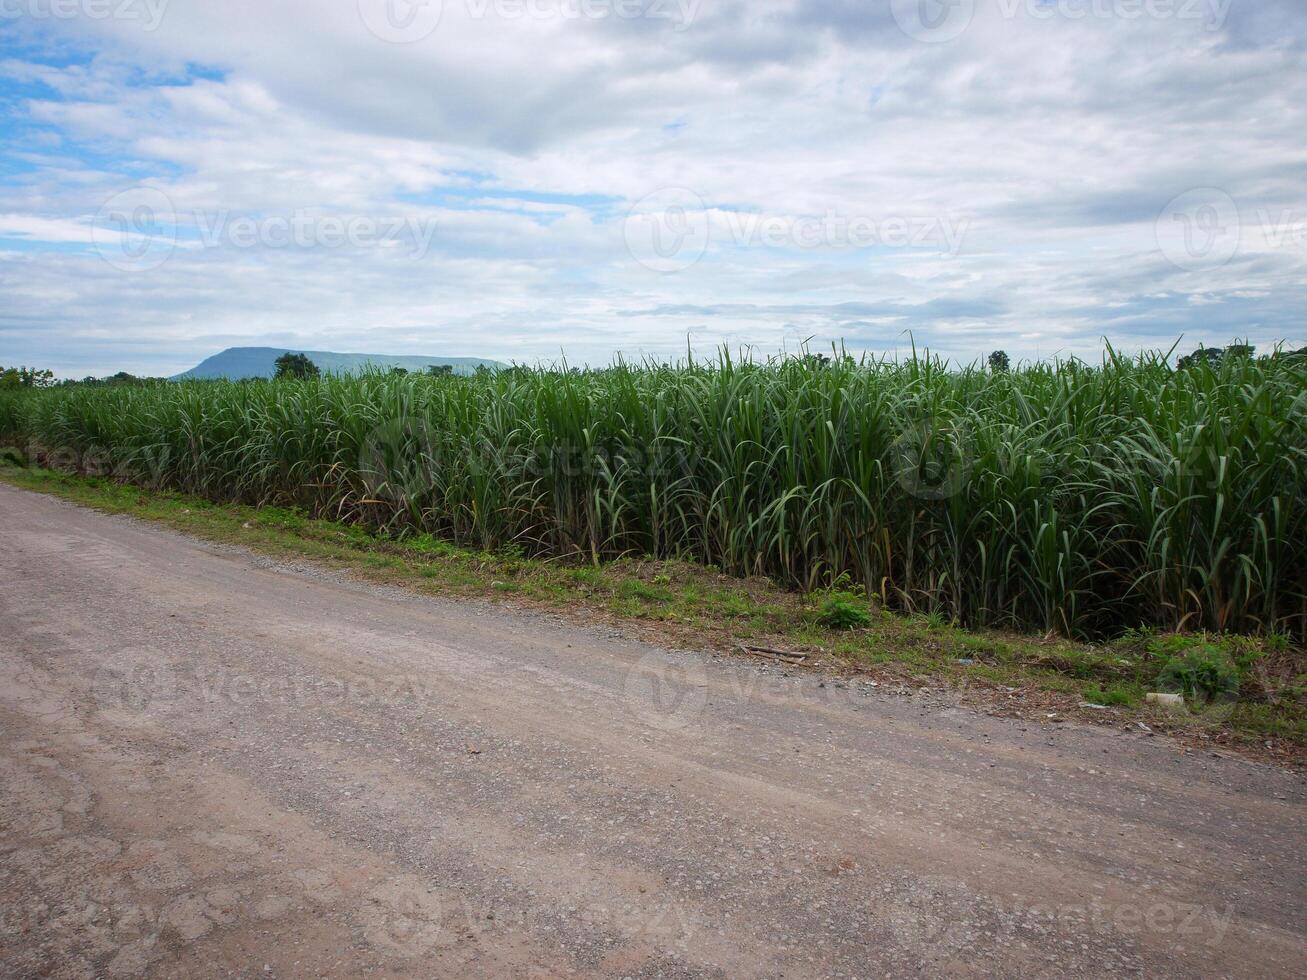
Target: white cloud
(1057, 140)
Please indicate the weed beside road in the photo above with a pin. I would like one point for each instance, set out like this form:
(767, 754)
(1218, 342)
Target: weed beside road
(1043, 678)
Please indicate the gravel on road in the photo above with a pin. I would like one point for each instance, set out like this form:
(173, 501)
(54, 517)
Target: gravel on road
(212, 764)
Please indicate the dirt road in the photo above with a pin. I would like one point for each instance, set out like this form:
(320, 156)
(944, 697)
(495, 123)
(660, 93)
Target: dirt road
(214, 766)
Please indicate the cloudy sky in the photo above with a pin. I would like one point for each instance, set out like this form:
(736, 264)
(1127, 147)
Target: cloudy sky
(522, 178)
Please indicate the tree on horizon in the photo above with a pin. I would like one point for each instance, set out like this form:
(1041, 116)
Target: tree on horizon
(296, 366)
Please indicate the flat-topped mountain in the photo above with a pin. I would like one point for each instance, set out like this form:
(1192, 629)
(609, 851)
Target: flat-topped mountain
(260, 362)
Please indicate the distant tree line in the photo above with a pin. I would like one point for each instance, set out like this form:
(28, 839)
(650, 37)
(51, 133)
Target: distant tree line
(121, 378)
(25, 377)
(297, 365)
(1213, 357)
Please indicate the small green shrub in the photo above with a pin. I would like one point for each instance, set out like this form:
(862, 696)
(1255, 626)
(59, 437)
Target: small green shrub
(843, 611)
(1204, 672)
(1113, 696)
(1276, 642)
(427, 544)
(635, 589)
(1168, 645)
(733, 604)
